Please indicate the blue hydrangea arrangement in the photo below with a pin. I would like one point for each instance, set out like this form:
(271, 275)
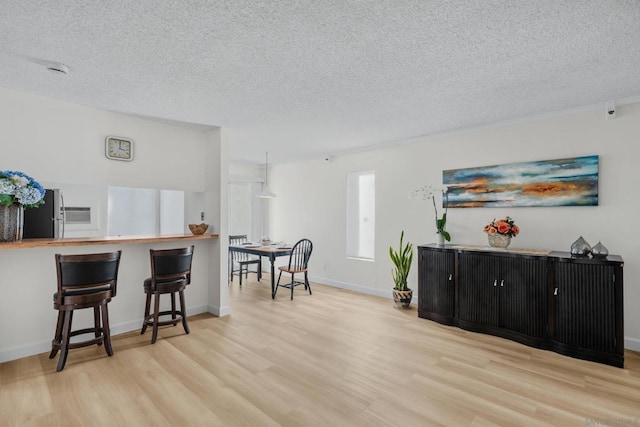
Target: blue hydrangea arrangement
(19, 188)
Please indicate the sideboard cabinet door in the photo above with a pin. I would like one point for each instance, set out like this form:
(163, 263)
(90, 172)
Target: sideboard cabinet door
(585, 306)
(504, 291)
(436, 285)
(478, 288)
(523, 295)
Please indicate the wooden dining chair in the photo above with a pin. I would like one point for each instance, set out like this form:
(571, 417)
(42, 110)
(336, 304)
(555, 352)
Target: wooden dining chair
(298, 262)
(239, 262)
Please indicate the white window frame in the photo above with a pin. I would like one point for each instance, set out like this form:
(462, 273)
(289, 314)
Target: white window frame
(360, 216)
(255, 231)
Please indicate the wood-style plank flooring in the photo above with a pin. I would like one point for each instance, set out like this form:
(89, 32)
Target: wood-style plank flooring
(335, 358)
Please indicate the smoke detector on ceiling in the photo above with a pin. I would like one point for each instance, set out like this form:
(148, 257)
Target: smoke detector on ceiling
(59, 69)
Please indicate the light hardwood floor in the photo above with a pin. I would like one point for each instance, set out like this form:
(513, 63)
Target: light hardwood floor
(335, 358)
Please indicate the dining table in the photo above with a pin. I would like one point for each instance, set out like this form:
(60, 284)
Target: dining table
(271, 252)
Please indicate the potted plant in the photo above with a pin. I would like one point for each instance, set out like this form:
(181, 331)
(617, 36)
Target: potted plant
(500, 232)
(18, 191)
(401, 259)
(429, 192)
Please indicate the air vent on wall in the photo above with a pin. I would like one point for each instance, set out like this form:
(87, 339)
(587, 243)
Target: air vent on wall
(77, 215)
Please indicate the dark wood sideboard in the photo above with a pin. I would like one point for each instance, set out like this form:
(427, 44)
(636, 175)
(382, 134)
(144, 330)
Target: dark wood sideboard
(547, 300)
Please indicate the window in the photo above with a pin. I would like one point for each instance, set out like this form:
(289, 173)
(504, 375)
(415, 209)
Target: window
(145, 211)
(361, 214)
(245, 211)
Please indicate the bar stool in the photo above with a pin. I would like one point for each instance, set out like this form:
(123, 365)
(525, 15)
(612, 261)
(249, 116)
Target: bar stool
(170, 273)
(84, 281)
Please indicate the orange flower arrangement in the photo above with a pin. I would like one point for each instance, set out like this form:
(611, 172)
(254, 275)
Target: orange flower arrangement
(504, 226)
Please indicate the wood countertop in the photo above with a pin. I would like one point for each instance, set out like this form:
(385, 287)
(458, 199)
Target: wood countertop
(114, 240)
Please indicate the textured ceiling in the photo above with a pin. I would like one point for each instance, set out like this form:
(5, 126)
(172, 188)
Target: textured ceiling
(303, 79)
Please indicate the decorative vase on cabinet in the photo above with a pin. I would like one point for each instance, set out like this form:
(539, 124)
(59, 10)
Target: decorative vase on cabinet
(580, 247)
(599, 251)
(499, 240)
(11, 222)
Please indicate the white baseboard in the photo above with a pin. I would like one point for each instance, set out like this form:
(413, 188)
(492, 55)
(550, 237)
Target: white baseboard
(120, 328)
(357, 288)
(219, 311)
(197, 310)
(25, 351)
(351, 287)
(632, 343)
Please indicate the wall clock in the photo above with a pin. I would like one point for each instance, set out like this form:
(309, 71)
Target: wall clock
(117, 148)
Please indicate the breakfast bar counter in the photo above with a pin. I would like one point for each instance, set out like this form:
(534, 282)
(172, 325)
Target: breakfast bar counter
(28, 282)
(86, 241)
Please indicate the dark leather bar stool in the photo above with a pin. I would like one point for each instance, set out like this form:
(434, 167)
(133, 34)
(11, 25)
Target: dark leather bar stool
(170, 274)
(84, 281)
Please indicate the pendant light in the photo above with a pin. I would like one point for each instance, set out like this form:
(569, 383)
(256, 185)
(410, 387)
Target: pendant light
(266, 193)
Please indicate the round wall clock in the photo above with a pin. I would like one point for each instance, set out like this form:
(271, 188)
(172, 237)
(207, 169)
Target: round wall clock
(117, 148)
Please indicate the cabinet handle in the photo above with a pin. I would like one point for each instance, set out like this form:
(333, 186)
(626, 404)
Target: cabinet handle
(495, 282)
(450, 276)
(555, 292)
(502, 282)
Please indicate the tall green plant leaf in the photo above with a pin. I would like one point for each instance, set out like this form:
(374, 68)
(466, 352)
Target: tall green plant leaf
(402, 259)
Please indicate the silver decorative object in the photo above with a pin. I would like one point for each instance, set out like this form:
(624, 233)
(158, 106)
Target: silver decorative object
(599, 251)
(580, 247)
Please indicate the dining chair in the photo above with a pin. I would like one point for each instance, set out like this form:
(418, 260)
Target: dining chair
(241, 260)
(170, 274)
(298, 262)
(84, 281)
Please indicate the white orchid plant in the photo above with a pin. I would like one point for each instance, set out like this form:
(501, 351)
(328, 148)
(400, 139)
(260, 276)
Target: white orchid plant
(429, 192)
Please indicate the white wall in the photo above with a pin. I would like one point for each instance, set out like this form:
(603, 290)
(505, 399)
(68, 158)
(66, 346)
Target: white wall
(216, 177)
(311, 198)
(253, 176)
(61, 145)
(246, 172)
(57, 142)
(27, 315)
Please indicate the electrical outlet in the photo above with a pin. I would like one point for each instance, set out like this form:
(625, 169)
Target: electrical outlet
(201, 216)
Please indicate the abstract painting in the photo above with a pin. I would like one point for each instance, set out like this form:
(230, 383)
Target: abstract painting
(561, 182)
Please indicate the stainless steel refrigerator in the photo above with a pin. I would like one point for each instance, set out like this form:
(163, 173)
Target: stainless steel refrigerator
(45, 221)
